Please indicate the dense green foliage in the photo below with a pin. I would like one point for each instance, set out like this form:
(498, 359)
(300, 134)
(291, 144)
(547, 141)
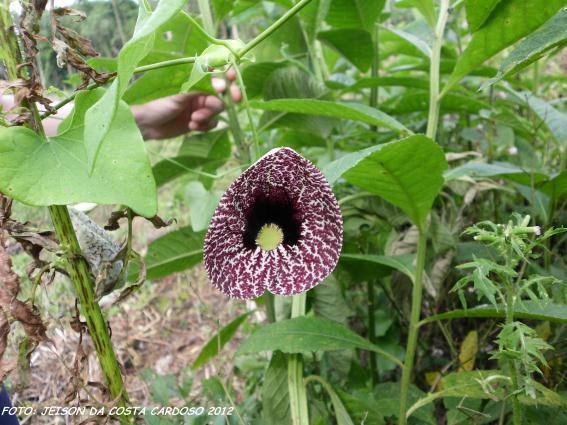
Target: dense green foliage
(428, 119)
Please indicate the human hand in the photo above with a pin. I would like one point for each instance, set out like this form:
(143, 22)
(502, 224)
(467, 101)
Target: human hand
(175, 115)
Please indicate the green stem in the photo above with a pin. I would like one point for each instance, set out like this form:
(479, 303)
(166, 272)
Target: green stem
(512, 364)
(272, 28)
(236, 130)
(413, 325)
(297, 391)
(246, 105)
(77, 266)
(372, 330)
(434, 74)
(206, 16)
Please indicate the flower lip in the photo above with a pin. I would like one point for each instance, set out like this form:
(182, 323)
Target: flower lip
(285, 190)
(276, 209)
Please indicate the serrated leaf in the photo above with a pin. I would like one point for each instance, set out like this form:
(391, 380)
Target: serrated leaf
(407, 173)
(354, 44)
(219, 340)
(55, 171)
(352, 111)
(304, 334)
(510, 21)
(101, 115)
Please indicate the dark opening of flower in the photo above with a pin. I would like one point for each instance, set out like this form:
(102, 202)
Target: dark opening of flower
(277, 227)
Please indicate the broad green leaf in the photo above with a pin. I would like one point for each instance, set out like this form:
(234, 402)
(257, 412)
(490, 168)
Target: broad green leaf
(401, 263)
(352, 111)
(525, 310)
(312, 17)
(329, 302)
(55, 171)
(202, 205)
(177, 38)
(407, 173)
(421, 45)
(304, 334)
(379, 406)
(478, 12)
(354, 44)
(219, 340)
(509, 22)
(354, 13)
(550, 35)
(555, 120)
(221, 8)
(496, 169)
(255, 76)
(341, 414)
(417, 100)
(200, 152)
(275, 392)
(557, 187)
(364, 83)
(425, 7)
(174, 252)
(100, 116)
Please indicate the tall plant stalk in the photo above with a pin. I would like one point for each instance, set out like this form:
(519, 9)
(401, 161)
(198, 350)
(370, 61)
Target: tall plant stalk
(431, 132)
(297, 391)
(76, 264)
(413, 325)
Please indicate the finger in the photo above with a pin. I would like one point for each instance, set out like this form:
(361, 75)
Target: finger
(219, 84)
(203, 126)
(235, 93)
(214, 103)
(231, 74)
(202, 115)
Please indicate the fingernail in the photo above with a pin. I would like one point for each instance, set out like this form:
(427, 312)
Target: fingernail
(219, 85)
(231, 74)
(235, 93)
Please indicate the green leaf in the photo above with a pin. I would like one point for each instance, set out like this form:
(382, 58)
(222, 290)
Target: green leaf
(219, 340)
(401, 263)
(341, 414)
(307, 334)
(364, 83)
(510, 21)
(329, 302)
(255, 76)
(557, 186)
(100, 116)
(352, 111)
(552, 34)
(509, 171)
(531, 310)
(425, 7)
(415, 101)
(407, 173)
(275, 392)
(200, 152)
(354, 13)
(555, 120)
(55, 171)
(413, 39)
(478, 12)
(354, 44)
(174, 252)
(377, 407)
(202, 205)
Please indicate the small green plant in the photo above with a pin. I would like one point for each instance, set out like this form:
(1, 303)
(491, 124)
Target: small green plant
(505, 282)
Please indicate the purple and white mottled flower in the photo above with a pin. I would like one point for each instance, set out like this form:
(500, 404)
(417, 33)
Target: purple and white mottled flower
(277, 227)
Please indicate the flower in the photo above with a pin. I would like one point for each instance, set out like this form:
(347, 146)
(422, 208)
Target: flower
(277, 227)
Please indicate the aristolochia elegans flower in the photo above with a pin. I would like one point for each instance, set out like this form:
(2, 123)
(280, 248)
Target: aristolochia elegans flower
(277, 227)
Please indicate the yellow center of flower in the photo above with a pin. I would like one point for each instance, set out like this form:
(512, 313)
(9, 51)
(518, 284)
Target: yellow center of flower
(269, 237)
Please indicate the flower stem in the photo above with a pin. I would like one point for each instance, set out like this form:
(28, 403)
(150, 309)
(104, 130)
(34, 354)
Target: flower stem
(297, 392)
(413, 325)
(77, 266)
(434, 77)
(272, 28)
